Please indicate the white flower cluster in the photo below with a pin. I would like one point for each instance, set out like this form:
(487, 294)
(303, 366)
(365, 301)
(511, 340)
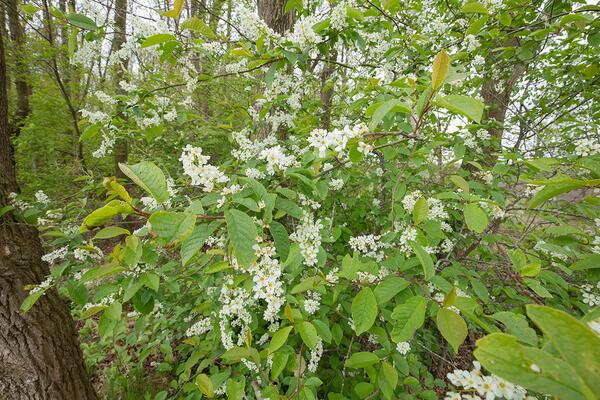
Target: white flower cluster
(277, 159)
(336, 184)
(587, 147)
(410, 199)
(369, 246)
(199, 328)
(252, 26)
(308, 202)
(42, 197)
(195, 165)
(589, 297)
(254, 173)
(267, 281)
(339, 16)
(471, 139)
(105, 301)
(84, 254)
(337, 139)
(475, 385)
(403, 348)
(249, 149)
(407, 235)
(16, 203)
(315, 356)
(108, 141)
(235, 312)
(55, 255)
(312, 302)
(304, 33)
(43, 286)
(308, 237)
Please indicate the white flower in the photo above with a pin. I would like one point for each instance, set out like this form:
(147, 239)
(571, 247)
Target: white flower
(199, 328)
(403, 348)
(315, 356)
(308, 236)
(196, 166)
(41, 197)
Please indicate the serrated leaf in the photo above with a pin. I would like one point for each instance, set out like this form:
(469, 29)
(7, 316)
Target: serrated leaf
(475, 218)
(361, 359)
(279, 338)
(242, 233)
(462, 105)
(452, 327)
(364, 310)
(172, 226)
(149, 177)
(441, 64)
(425, 260)
(420, 211)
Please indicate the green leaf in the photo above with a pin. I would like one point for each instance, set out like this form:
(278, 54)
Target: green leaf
(551, 191)
(289, 207)
(101, 215)
(474, 7)
(529, 367)
(197, 25)
(242, 233)
(385, 108)
(387, 379)
(306, 284)
(388, 288)
(193, 243)
(576, 342)
(171, 226)
(205, 385)
(111, 232)
(364, 310)
(235, 354)
(89, 132)
(281, 239)
(361, 359)
(280, 360)
(176, 10)
(461, 183)
(409, 317)
(452, 327)
(425, 260)
(420, 211)
(463, 105)
(517, 325)
(279, 338)
(441, 64)
(31, 299)
(475, 218)
(157, 39)
(589, 261)
(308, 333)
(531, 269)
(235, 389)
(81, 21)
(149, 177)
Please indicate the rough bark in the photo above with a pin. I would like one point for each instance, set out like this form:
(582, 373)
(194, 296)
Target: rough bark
(121, 149)
(274, 15)
(40, 356)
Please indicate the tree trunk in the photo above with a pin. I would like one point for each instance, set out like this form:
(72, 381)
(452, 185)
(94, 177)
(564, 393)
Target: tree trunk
(40, 356)
(121, 149)
(274, 15)
(21, 72)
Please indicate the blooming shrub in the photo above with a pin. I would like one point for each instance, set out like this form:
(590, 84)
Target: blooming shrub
(365, 258)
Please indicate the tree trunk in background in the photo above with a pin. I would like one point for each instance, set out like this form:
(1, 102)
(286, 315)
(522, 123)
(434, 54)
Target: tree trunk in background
(40, 356)
(274, 15)
(121, 149)
(327, 88)
(496, 95)
(21, 70)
